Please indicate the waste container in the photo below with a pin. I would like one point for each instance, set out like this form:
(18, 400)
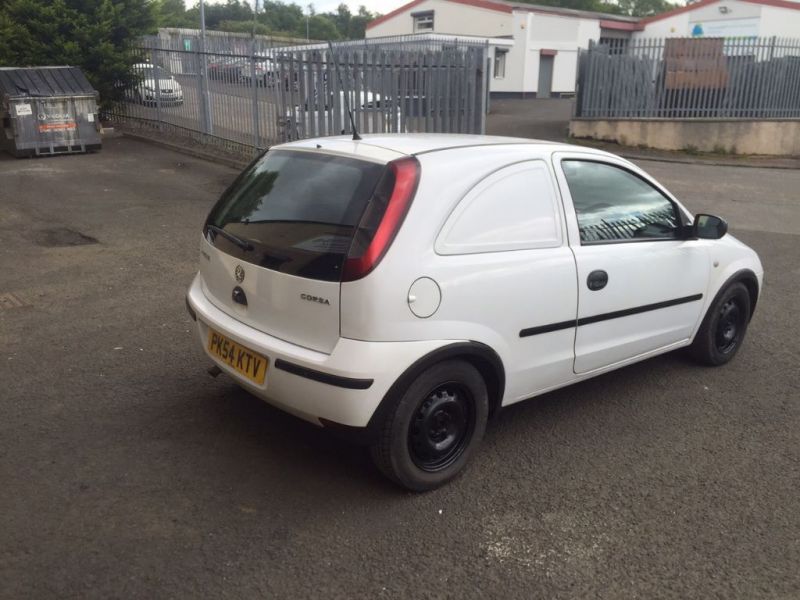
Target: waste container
(47, 110)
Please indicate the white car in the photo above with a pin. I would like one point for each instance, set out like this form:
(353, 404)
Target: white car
(156, 85)
(403, 288)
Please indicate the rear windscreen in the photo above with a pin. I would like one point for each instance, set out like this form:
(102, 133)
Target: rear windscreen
(294, 212)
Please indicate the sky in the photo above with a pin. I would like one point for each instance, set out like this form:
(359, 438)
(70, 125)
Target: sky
(380, 6)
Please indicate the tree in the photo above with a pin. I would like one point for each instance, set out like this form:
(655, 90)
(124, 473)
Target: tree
(350, 26)
(645, 8)
(275, 18)
(232, 10)
(285, 19)
(95, 35)
(322, 27)
(592, 5)
(244, 27)
(171, 13)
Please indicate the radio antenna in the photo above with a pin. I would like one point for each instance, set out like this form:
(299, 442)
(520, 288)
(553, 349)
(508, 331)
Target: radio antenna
(346, 93)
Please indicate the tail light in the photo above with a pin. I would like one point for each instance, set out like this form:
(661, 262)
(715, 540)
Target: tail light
(382, 218)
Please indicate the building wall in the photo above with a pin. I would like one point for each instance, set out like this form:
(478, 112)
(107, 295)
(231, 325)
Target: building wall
(742, 19)
(533, 32)
(565, 35)
(780, 22)
(448, 17)
(516, 58)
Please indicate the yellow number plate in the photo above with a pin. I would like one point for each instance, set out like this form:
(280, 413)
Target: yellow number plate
(245, 361)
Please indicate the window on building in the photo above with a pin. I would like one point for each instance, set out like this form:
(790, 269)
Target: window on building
(423, 21)
(500, 63)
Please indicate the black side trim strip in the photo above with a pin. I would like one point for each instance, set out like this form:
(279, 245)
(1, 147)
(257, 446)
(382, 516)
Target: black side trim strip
(639, 309)
(337, 380)
(605, 317)
(547, 328)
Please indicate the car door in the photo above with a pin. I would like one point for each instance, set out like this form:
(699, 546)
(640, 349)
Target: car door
(640, 286)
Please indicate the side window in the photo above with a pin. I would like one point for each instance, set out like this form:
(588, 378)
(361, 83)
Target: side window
(512, 209)
(613, 204)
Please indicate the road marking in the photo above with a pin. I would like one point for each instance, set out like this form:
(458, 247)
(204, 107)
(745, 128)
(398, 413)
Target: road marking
(9, 300)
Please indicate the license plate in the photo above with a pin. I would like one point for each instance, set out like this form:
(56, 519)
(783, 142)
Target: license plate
(250, 364)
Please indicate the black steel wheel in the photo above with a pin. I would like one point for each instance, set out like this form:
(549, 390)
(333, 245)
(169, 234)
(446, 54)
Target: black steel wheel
(431, 429)
(730, 324)
(723, 329)
(441, 428)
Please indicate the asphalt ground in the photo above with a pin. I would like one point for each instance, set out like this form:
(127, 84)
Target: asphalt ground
(127, 472)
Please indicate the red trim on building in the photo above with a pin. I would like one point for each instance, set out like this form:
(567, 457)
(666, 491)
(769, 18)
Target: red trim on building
(777, 3)
(547, 52)
(702, 3)
(543, 10)
(621, 25)
(476, 3)
(604, 23)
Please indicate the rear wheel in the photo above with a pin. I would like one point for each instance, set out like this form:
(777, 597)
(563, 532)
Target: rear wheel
(434, 427)
(723, 329)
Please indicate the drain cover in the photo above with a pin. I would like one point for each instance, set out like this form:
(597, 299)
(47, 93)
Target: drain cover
(62, 236)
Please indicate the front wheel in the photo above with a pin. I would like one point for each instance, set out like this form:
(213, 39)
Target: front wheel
(432, 430)
(723, 329)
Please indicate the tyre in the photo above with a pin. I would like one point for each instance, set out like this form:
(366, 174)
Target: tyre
(723, 329)
(433, 428)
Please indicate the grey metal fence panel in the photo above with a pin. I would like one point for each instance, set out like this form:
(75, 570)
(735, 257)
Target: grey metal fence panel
(246, 94)
(687, 78)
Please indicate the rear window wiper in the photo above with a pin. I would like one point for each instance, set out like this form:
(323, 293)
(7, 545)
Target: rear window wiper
(246, 246)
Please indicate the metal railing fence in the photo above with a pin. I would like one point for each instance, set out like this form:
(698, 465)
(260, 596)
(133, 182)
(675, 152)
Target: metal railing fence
(248, 101)
(684, 78)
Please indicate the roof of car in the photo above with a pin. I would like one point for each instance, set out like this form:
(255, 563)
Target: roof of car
(420, 143)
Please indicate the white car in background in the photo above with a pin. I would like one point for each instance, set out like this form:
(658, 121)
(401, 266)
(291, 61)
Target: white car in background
(403, 288)
(156, 85)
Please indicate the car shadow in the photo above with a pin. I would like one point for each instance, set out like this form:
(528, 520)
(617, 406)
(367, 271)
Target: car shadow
(293, 450)
(290, 445)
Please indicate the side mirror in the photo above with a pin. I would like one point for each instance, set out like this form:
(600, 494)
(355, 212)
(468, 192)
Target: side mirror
(709, 227)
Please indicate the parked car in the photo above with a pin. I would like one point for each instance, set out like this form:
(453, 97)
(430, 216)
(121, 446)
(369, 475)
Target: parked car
(306, 118)
(228, 69)
(403, 288)
(156, 85)
(267, 74)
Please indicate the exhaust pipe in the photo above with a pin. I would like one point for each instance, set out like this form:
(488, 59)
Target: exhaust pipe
(213, 370)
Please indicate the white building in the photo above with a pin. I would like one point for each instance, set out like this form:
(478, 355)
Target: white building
(726, 18)
(542, 61)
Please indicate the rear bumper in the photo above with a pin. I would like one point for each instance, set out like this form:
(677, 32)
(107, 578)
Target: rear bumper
(344, 387)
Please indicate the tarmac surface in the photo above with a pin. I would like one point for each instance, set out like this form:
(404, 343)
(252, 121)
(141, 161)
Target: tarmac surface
(126, 471)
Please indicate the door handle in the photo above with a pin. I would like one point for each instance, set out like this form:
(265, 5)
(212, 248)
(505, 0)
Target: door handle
(597, 280)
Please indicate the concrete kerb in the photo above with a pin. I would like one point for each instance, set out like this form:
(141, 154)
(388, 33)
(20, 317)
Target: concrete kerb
(195, 152)
(712, 162)
(677, 157)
